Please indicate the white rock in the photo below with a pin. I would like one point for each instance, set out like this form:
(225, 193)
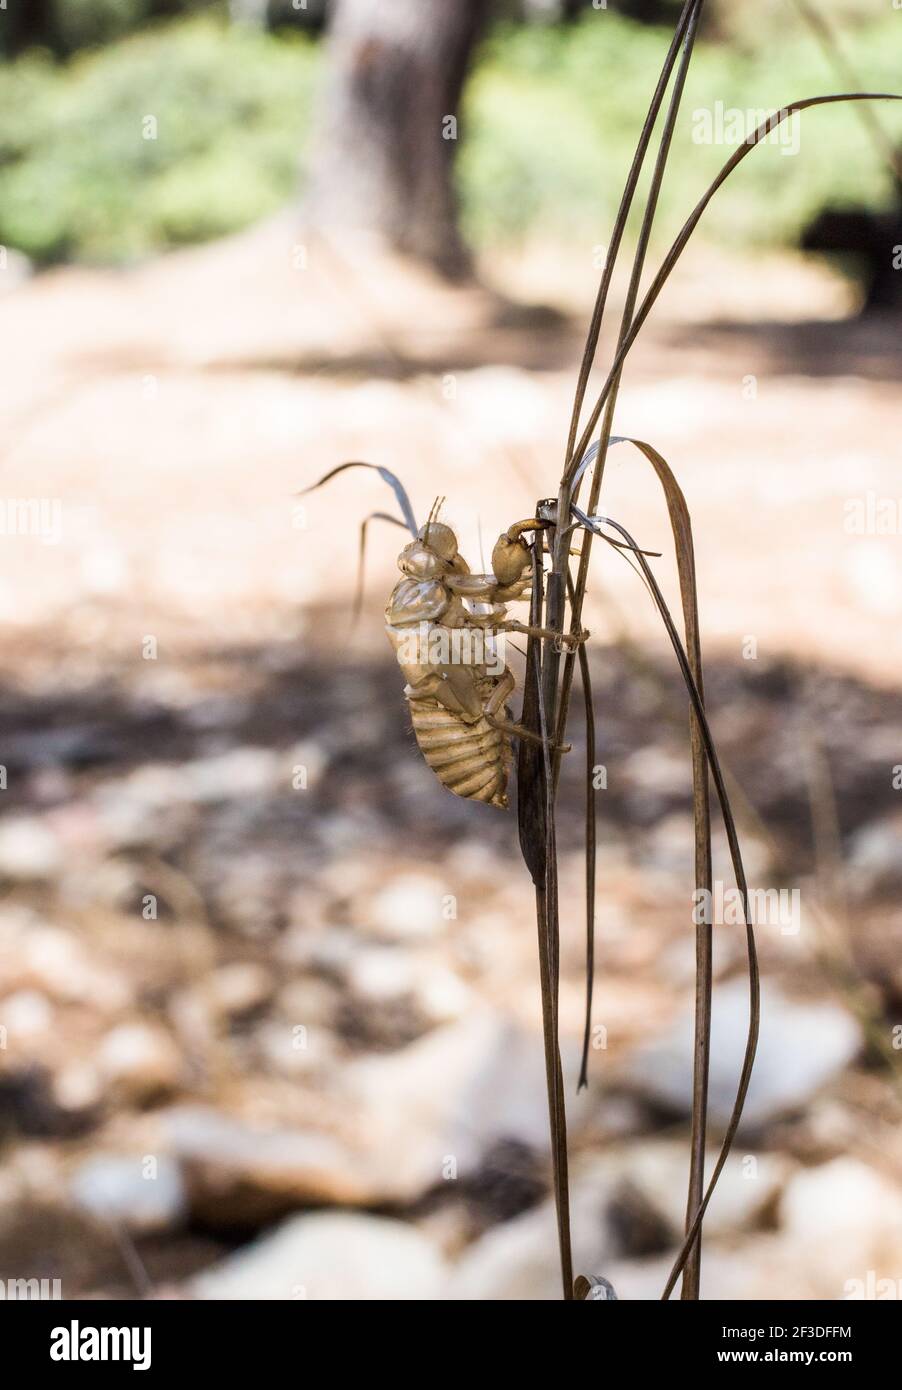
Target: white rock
(144, 808)
(443, 996)
(410, 907)
(519, 1259)
(142, 1195)
(380, 973)
(384, 973)
(454, 1093)
(801, 1047)
(56, 960)
(843, 1219)
(140, 1061)
(242, 1170)
(875, 857)
(29, 850)
(309, 1001)
(338, 1256)
(237, 773)
(77, 1088)
(25, 1014)
(292, 1052)
(838, 1198)
(240, 988)
(659, 1171)
(726, 1275)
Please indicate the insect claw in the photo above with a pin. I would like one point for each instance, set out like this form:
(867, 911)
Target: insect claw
(569, 641)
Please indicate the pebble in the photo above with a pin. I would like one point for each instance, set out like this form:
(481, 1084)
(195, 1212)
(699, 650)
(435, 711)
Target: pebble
(875, 857)
(140, 1062)
(455, 1093)
(239, 1174)
(802, 1046)
(518, 1260)
(25, 1014)
(746, 1191)
(842, 1222)
(336, 1256)
(141, 1192)
(410, 908)
(29, 851)
(240, 988)
(238, 773)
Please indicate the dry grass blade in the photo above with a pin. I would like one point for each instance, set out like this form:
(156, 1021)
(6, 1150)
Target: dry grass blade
(591, 853)
(556, 592)
(547, 693)
(620, 221)
(530, 764)
(739, 871)
(570, 485)
(548, 923)
(559, 578)
(385, 474)
(536, 828)
(681, 525)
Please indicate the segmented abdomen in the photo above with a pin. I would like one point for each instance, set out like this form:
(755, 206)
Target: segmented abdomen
(471, 760)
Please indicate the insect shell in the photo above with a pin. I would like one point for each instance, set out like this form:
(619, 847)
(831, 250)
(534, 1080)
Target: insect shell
(441, 621)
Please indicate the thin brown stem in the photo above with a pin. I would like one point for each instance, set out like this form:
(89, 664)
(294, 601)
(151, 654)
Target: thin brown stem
(684, 235)
(693, 17)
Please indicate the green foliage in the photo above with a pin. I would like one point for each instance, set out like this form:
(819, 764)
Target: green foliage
(64, 26)
(79, 178)
(551, 118)
(553, 115)
(86, 23)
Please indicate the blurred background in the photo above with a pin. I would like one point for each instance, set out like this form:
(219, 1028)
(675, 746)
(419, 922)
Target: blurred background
(269, 1014)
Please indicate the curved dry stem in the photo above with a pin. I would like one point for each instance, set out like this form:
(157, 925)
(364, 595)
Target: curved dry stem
(681, 526)
(591, 852)
(569, 493)
(620, 221)
(679, 245)
(739, 871)
(361, 557)
(385, 474)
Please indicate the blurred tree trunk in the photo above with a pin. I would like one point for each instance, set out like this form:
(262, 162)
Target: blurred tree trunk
(383, 160)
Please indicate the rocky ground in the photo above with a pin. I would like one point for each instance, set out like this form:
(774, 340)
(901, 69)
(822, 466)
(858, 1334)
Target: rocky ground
(269, 994)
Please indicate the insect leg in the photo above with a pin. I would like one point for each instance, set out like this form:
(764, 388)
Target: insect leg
(571, 639)
(495, 703)
(361, 556)
(518, 731)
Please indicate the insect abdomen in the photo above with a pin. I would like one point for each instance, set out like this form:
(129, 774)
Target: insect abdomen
(471, 760)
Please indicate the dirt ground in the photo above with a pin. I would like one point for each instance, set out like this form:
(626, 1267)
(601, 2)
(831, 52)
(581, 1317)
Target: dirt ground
(175, 409)
(176, 643)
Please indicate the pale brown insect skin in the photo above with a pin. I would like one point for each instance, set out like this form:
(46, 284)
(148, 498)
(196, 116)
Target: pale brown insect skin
(452, 704)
